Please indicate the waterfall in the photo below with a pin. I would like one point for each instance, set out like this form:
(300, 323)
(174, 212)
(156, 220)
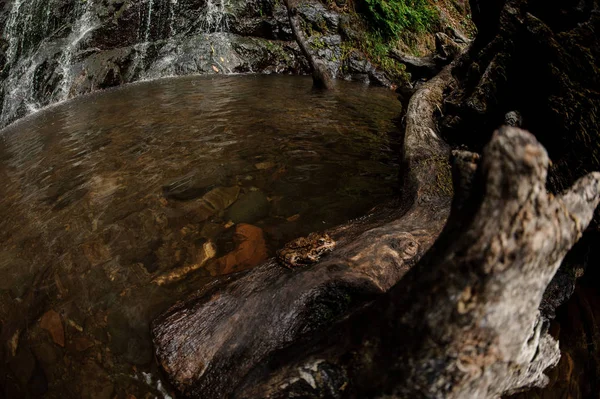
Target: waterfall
(215, 16)
(10, 32)
(47, 58)
(31, 44)
(84, 25)
(140, 58)
(172, 9)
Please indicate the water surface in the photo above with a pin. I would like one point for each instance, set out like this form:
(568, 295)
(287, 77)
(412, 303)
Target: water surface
(117, 204)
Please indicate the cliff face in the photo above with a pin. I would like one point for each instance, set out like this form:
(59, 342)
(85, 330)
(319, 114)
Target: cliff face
(52, 50)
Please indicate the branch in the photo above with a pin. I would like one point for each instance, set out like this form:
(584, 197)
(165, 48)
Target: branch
(209, 343)
(321, 77)
(464, 322)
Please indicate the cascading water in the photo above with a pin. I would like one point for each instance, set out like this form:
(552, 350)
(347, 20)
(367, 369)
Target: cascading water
(215, 16)
(145, 37)
(9, 31)
(31, 43)
(84, 25)
(52, 50)
(20, 30)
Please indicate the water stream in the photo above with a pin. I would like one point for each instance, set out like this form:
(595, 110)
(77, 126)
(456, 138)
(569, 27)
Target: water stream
(116, 205)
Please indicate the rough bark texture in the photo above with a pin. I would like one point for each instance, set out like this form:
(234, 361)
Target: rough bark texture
(471, 318)
(446, 50)
(321, 76)
(208, 344)
(542, 60)
(464, 322)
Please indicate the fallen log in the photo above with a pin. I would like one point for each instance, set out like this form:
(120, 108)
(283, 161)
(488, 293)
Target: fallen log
(321, 77)
(208, 344)
(464, 322)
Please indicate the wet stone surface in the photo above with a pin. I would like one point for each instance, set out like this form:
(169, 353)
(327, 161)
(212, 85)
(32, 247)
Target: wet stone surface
(116, 205)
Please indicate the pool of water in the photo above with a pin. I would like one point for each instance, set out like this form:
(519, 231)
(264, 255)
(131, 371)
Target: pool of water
(118, 204)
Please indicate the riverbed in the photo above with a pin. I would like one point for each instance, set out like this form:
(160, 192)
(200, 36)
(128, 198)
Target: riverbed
(115, 205)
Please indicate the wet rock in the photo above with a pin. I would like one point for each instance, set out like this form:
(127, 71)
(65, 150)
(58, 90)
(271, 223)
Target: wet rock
(81, 344)
(265, 165)
(250, 208)
(318, 17)
(222, 197)
(47, 354)
(250, 251)
(207, 252)
(191, 186)
(357, 67)
(52, 322)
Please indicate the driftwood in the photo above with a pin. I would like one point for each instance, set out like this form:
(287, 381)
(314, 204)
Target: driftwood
(321, 77)
(421, 67)
(464, 322)
(446, 50)
(208, 344)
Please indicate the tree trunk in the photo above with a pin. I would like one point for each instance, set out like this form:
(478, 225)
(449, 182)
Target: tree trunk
(321, 77)
(464, 322)
(207, 345)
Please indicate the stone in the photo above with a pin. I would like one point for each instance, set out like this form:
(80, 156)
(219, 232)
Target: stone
(222, 197)
(264, 165)
(52, 322)
(249, 208)
(250, 251)
(191, 186)
(82, 344)
(207, 252)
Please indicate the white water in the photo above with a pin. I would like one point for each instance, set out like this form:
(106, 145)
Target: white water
(85, 24)
(215, 16)
(10, 33)
(38, 54)
(19, 86)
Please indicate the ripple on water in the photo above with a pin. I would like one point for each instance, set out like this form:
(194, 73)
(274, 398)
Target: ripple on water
(120, 203)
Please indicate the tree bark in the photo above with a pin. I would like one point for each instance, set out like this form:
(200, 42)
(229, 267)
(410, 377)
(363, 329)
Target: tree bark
(208, 344)
(464, 322)
(321, 77)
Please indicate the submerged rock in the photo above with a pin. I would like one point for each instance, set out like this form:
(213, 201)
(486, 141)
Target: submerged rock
(250, 251)
(250, 208)
(52, 322)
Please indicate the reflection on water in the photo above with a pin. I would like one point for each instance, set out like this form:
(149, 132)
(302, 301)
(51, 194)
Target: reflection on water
(115, 205)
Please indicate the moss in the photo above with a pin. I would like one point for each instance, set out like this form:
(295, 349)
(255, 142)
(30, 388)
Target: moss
(390, 18)
(317, 43)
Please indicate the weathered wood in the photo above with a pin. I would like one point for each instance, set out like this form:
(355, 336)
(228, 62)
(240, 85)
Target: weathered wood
(321, 77)
(464, 322)
(446, 50)
(208, 344)
(418, 67)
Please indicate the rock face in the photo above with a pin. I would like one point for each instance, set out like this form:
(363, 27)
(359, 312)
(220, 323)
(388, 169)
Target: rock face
(542, 62)
(539, 62)
(52, 50)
